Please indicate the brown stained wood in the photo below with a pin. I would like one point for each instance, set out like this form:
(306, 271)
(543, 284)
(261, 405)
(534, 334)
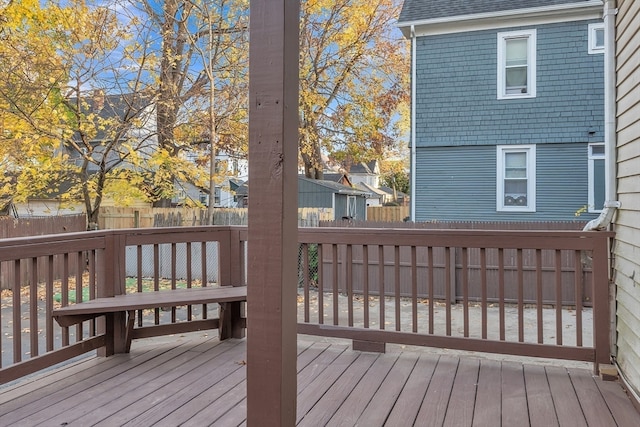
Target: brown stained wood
(365, 280)
(217, 409)
(463, 396)
(349, 289)
(339, 391)
(381, 297)
(112, 399)
(309, 372)
(542, 411)
(369, 346)
(355, 403)
(488, 405)
(620, 406)
(379, 408)
(174, 393)
(595, 410)
(396, 281)
(312, 393)
(389, 392)
(414, 290)
(566, 403)
(407, 406)
(539, 318)
(53, 399)
(514, 398)
(434, 406)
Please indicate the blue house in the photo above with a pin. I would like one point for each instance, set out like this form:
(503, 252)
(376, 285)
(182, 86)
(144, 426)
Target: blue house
(507, 109)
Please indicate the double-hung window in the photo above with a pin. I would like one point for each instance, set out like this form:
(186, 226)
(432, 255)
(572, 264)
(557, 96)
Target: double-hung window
(516, 178)
(596, 177)
(517, 64)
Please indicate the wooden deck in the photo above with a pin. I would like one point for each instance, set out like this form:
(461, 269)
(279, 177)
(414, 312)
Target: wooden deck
(196, 380)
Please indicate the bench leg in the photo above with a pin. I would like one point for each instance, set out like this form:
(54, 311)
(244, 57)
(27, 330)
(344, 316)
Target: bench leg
(106, 324)
(231, 320)
(131, 318)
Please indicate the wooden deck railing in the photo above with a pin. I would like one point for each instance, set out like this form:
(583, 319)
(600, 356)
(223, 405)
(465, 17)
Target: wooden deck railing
(524, 304)
(529, 293)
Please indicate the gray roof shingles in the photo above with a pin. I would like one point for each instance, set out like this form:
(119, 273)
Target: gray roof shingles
(418, 10)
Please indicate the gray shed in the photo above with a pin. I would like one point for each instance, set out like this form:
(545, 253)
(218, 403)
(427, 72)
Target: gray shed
(346, 202)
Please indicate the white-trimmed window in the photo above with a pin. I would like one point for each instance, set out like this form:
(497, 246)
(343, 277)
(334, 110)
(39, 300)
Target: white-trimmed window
(596, 38)
(517, 64)
(596, 177)
(516, 178)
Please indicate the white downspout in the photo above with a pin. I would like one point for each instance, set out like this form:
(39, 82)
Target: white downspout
(609, 17)
(413, 124)
(603, 222)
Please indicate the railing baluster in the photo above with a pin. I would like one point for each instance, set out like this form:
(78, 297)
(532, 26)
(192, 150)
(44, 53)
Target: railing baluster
(520, 295)
(465, 291)
(396, 270)
(92, 287)
(365, 280)
(17, 313)
(156, 280)
(49, 303)
(320, 284)
(578, 292)
(173, 277)
(203, 269)
(79, 292)
(349, 284)
(483, 290)
(305, 279)
(448, 284)
(558, 277)
(139, 279)
(414, 289)
(431, 286)
(501, 292)
(189, 278)
(381, 285)
(336, 313)
(65, 294)
(539, 297)
(33, 307)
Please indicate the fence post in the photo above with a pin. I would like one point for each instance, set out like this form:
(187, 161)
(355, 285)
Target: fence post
(600, 284)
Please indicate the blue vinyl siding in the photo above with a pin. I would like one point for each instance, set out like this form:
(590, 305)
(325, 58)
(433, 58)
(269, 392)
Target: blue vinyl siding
(459, 183)
(456, 93)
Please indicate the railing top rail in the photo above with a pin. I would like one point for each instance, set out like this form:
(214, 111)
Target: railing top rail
(507, 239)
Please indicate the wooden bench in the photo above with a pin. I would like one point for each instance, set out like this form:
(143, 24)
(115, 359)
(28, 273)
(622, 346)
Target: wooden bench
(230, 322)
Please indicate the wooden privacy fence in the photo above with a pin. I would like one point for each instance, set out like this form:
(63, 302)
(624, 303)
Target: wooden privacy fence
(24, 227)
(117, 218)
(387, 213)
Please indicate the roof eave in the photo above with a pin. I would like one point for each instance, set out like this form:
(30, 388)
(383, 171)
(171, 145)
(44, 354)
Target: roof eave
(578, 11)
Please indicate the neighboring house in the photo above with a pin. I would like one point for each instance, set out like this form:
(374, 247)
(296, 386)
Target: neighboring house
(507, 109)
(394, 196)
(131, 117)
(338, 177)
(233, 168)
(365, 173)
(624, 71)
(376, 196)
(346, 202)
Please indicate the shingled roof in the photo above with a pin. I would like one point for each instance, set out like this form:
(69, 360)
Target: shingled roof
(416, 10)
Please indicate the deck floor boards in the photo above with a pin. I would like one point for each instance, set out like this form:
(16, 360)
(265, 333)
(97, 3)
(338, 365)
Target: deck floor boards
(195, 380)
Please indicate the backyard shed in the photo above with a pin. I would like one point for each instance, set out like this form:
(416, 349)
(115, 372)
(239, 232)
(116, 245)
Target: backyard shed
(346, 202)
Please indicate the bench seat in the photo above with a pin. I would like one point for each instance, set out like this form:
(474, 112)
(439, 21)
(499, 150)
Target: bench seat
(229, 320)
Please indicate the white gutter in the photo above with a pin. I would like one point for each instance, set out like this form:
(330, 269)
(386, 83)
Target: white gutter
(413, 125)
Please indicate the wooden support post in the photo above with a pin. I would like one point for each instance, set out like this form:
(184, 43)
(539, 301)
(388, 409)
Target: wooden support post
(272, 240)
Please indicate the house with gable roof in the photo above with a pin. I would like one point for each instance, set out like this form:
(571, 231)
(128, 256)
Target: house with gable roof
(507, 109)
